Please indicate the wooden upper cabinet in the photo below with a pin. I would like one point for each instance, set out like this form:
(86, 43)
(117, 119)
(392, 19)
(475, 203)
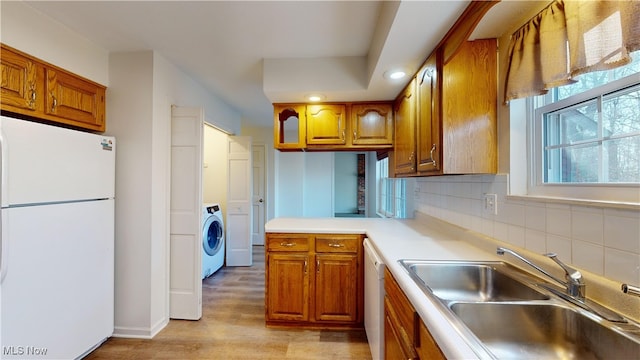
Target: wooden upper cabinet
(355, 126)
(372, 124)
(428, 122)
(404, 152)
(22, 85)
(74, 99)
(469, 109)
(326, 124)
(40, 90)
(289, 126)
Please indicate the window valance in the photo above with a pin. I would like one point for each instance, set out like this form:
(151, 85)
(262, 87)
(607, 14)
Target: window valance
(569, 38)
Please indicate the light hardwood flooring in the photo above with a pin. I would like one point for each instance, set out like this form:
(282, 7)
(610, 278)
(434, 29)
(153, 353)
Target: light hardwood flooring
(233, 327)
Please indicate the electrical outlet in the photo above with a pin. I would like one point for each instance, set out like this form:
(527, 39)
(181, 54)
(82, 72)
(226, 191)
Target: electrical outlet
(491, 204)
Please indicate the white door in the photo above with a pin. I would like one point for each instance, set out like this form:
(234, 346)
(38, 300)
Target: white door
(239, 201)
(259, 198)
(186, 214)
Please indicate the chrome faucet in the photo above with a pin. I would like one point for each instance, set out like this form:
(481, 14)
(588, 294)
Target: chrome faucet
(574, 283)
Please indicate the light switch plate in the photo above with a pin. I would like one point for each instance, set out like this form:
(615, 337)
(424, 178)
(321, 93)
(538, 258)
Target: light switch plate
(490, 204)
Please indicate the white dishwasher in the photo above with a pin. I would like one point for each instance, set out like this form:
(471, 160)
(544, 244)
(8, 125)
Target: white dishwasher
(374, 300)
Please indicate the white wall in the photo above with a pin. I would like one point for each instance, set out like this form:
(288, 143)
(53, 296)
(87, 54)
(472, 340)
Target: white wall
(215, 170)
(36, 34)
(142, 86)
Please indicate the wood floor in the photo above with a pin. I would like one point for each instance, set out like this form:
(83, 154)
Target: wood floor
(232, 327)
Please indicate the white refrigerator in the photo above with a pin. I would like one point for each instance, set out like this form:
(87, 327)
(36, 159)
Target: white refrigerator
(57, 253)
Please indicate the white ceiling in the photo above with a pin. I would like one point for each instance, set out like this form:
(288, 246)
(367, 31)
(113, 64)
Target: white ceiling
(254, 53)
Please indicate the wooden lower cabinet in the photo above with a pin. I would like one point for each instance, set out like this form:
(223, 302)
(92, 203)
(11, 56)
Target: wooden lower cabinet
(405, 335)
(336, 291)
(314, 280)
(289, 286)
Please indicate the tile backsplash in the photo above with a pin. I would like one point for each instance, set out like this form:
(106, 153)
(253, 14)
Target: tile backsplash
(602, 240)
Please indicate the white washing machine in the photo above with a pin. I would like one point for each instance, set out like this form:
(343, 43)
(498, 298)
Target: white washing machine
(213, 241)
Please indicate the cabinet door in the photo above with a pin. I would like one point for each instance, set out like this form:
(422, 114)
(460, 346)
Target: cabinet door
(287, 295)
(469, 109)
(336, 287)
(372, 124)
(326, 124)
(429, 145)
(74, 100)
(22, 83)
(289, 127)
(397, 343)
(427, 347)
(404, 152)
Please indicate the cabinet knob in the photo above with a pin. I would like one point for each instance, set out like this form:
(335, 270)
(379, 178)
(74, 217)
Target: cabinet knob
(336, 245)
(287, 244)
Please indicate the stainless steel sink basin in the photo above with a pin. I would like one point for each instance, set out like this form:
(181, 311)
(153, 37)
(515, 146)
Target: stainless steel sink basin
(543, 331)
(471, 281)
(503, 312)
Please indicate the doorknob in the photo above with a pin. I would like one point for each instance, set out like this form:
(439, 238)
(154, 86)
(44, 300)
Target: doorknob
(260, 200)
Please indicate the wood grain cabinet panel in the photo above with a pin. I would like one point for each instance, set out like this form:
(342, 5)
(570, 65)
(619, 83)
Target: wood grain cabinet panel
(74, 99)
(22, 84)
(352, 126)
(289, 126)
(326, 124)
(288, 286)
(331, 297)
(372, 124)
(429, 143)
(36, 89)
(469, 109)
(452, 121)
(336, 287)
(405, 334)
(404, 152)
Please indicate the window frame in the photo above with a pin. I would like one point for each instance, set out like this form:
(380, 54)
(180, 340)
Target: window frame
(391, 193)
(611, 192)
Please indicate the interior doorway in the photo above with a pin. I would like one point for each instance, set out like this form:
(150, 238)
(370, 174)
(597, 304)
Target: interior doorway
(350, 184)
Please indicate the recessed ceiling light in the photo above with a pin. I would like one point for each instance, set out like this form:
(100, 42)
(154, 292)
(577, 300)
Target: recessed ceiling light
(315, 97)
(395, 74)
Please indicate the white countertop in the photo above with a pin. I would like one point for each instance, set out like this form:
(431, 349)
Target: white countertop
(403, 239)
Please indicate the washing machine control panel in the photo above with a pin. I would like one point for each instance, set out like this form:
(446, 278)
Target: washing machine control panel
(212, 209)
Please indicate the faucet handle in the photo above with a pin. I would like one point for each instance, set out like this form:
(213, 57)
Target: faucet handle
(576, 285)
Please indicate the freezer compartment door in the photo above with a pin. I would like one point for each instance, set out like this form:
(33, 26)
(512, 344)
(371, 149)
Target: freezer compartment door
(44, 163)
(58, 289)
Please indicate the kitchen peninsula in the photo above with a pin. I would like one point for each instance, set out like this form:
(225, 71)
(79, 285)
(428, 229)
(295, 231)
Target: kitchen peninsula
(427, 238)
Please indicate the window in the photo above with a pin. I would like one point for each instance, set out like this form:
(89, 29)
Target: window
(587, 136)
(391, 193)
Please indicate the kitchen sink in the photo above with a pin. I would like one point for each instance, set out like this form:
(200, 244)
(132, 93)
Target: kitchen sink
(471, 281)
(504, 312)
(543, 331)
